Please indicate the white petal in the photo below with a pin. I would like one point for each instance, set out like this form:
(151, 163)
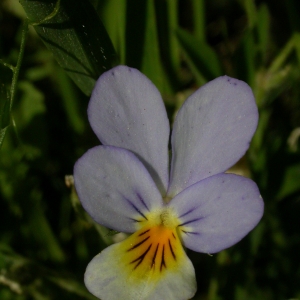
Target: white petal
(143, 267)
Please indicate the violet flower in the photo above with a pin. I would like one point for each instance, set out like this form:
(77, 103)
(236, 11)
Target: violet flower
(126, 184)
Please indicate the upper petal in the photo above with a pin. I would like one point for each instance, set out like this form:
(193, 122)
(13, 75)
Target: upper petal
(126, 110)
(115, 188)
(217, 212)
(212, 131)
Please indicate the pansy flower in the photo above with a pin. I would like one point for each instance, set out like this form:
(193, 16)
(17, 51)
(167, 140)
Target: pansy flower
(129, 184)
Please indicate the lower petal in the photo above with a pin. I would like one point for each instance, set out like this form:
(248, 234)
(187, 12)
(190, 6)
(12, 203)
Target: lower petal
(150, 264)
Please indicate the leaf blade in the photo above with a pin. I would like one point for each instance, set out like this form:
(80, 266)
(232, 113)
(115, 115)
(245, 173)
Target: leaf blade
(76, 37)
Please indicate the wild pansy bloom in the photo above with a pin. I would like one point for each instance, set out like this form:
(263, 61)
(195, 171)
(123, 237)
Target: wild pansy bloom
(126, 184)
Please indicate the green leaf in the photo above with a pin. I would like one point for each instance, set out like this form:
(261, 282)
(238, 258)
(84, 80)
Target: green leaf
(201, 57)
(31, 104)
(151, 62)
(199, 18)
(70, 101)
(4, 102)
(5, 114)
(297, 45)
(116, 26)
(2, 135)
(142, 44)
(290, 182)
(280, 60)
(76, 37)
(251, 12)
(245, 64)
(263, 30)
(41, 230)
(170, 53)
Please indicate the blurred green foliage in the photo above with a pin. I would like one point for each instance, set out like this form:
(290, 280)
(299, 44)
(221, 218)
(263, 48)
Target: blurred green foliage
(46, 238)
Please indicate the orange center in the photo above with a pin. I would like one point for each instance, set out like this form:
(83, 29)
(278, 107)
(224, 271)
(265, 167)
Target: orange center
(154, 248)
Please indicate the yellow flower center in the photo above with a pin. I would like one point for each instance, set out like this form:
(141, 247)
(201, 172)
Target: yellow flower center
(155, 247)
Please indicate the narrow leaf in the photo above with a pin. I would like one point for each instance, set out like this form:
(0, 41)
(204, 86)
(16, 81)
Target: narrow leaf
(201, 56)
(263, 30)
(251, 12)
(4, 101)
(245, 59)
(2, 135)
(199, 18)
(151, 62)
(116, 26)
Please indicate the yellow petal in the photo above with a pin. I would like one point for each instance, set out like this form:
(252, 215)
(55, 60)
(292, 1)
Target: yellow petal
(150, 264)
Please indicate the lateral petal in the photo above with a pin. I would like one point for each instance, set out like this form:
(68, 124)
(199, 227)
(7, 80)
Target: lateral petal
(126, 110)
(217, 212)
(149, 265)
(212, 131)
(115, 188)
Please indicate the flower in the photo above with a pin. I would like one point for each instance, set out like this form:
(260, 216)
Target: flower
(125, 183)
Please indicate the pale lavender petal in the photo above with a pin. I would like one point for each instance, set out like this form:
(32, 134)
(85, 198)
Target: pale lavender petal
(115, 188)
(212, 131)
(217, 212)
(126, 110)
